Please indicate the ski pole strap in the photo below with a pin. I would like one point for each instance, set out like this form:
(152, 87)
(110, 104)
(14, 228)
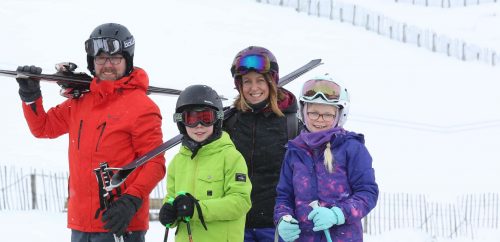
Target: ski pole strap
(100, 185)
(103, 180)
(198, 209)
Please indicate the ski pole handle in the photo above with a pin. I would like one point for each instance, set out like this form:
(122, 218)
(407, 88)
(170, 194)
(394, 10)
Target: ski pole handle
(314, 204)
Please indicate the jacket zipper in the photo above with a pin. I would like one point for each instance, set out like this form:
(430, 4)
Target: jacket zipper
(102, 127)
(253, 146)
(195, 174)
(79, 134)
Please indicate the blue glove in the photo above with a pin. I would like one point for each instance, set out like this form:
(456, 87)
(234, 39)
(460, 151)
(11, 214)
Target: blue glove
(288, 228)
(324, 218)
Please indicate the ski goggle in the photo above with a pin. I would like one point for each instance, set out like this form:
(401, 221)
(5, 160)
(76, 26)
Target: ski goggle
(327, 90)
(247, 63)
(108, 45)
(191, 118)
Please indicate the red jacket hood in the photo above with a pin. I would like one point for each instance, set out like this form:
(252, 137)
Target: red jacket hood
(138, 79)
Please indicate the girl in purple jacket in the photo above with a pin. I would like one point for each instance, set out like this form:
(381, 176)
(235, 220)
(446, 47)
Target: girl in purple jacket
(327, 183)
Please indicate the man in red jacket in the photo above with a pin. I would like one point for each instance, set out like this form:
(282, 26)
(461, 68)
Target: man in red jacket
(115, 122)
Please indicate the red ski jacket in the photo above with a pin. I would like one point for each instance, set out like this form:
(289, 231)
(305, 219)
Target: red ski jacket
(115, 122)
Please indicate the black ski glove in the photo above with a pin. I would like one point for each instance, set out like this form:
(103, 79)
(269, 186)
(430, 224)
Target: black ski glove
(29, 89)
(119, 214)
(72, 89)
(168, 214)
(185, 205)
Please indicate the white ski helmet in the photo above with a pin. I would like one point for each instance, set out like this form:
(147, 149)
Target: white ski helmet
(324, 90)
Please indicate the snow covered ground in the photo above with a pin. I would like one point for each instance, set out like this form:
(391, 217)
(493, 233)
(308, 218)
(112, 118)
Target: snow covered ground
(431, 122)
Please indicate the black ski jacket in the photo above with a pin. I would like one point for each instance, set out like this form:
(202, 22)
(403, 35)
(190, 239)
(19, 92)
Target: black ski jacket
(261, 138)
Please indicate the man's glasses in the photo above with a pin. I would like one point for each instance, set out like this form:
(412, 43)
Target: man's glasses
(101, 60)
(326, 116)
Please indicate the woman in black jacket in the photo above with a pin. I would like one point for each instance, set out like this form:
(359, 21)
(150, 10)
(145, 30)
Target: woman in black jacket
(265, 120)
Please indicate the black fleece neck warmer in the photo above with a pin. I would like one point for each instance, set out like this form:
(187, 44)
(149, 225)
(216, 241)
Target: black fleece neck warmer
(194, 146)
(257, 107)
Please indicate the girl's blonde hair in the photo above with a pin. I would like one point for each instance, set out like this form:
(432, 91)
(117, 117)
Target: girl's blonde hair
(329, 158)
(275, 95)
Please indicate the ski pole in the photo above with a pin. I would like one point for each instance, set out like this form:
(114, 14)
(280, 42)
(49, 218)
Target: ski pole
(188, 225)
(165, 237)
(167, 226)
(314, 204)
(186, 219)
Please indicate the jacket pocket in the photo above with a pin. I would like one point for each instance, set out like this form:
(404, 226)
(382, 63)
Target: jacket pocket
(210, 184)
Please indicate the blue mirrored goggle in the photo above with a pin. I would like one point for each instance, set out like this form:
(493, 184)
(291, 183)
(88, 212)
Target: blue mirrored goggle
(107, 45)
(257, 63)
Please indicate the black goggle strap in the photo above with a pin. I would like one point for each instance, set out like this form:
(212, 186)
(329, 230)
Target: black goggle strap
(178, 116)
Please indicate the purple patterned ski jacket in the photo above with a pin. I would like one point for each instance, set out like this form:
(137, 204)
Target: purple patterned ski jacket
(304, 178)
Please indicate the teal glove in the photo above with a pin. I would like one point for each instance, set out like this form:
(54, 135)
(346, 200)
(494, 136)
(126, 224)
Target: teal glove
(288, 228)
(324, 218)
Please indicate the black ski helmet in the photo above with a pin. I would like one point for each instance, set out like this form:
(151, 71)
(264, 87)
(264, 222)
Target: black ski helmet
(255, 50)
(196, 96)
(112, 31)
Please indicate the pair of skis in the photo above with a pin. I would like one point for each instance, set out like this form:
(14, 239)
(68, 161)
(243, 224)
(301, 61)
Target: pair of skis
(121, 173)
(79, 80)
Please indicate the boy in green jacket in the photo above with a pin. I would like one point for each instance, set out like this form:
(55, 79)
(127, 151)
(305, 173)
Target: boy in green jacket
(208, 190)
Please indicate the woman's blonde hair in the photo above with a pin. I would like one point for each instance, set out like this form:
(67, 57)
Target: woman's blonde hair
(275, 95)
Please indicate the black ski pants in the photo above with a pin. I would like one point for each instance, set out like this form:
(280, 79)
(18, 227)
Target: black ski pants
(78, 236)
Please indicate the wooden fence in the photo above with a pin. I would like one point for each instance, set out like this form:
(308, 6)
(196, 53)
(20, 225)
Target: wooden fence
(445, 3)
(460, 218)
(22, 189)
(393, 29)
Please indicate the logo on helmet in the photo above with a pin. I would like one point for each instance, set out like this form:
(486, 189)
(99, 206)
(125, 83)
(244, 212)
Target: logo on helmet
(128, 43)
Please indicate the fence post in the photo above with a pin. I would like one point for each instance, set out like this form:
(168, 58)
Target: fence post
(341, 14)
(434, 36)
(367, 22)
(318, 8)
(404, 33)
(378, 24)
(331, 9)
(309, 7)
(3, 191)
(365, 225)
(34, 204)
(354, 15)
(463, 52)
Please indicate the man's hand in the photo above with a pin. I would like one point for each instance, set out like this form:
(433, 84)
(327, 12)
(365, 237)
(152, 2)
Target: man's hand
(119, 214)
(29, 89)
